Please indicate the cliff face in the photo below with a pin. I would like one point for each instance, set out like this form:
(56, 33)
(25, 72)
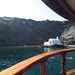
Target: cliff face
(68, 36)
(16, 31)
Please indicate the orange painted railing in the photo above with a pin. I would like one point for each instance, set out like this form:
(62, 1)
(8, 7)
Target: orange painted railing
(24, 66)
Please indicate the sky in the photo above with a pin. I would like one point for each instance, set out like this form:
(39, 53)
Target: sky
(28, 9)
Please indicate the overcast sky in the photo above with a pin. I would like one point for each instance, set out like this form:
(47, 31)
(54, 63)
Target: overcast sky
(28, 9)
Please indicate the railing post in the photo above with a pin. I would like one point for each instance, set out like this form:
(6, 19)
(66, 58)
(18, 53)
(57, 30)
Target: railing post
(43, 67)
(63, 63)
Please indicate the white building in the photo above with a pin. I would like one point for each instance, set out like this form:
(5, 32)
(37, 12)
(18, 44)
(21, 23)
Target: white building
(52, 41)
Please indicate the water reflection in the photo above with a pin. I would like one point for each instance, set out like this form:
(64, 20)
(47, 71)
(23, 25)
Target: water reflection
(49, 49)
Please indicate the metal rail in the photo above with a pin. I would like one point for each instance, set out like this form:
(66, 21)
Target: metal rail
(24, 66)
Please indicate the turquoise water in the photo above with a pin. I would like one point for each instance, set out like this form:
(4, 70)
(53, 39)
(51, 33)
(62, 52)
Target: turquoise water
(15, 54)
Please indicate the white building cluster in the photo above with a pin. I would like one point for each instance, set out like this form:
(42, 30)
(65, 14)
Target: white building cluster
(52, 41)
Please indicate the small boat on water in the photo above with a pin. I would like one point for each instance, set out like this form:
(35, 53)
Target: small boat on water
(54, 43)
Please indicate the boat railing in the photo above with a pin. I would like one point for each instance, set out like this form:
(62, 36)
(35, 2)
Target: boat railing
(24, 66)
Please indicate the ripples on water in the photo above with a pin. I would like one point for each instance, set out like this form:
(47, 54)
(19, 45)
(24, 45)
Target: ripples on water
(13, 55)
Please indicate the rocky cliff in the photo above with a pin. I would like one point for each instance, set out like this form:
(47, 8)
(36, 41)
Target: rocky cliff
(68, 36)
(16, 31)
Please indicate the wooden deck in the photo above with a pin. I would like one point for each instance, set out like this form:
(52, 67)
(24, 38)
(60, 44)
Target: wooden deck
(24, 66)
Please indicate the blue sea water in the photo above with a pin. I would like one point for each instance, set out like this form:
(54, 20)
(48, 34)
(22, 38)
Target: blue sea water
(14, 54)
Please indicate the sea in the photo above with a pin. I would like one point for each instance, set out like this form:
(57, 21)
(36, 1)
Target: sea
(11, 55)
